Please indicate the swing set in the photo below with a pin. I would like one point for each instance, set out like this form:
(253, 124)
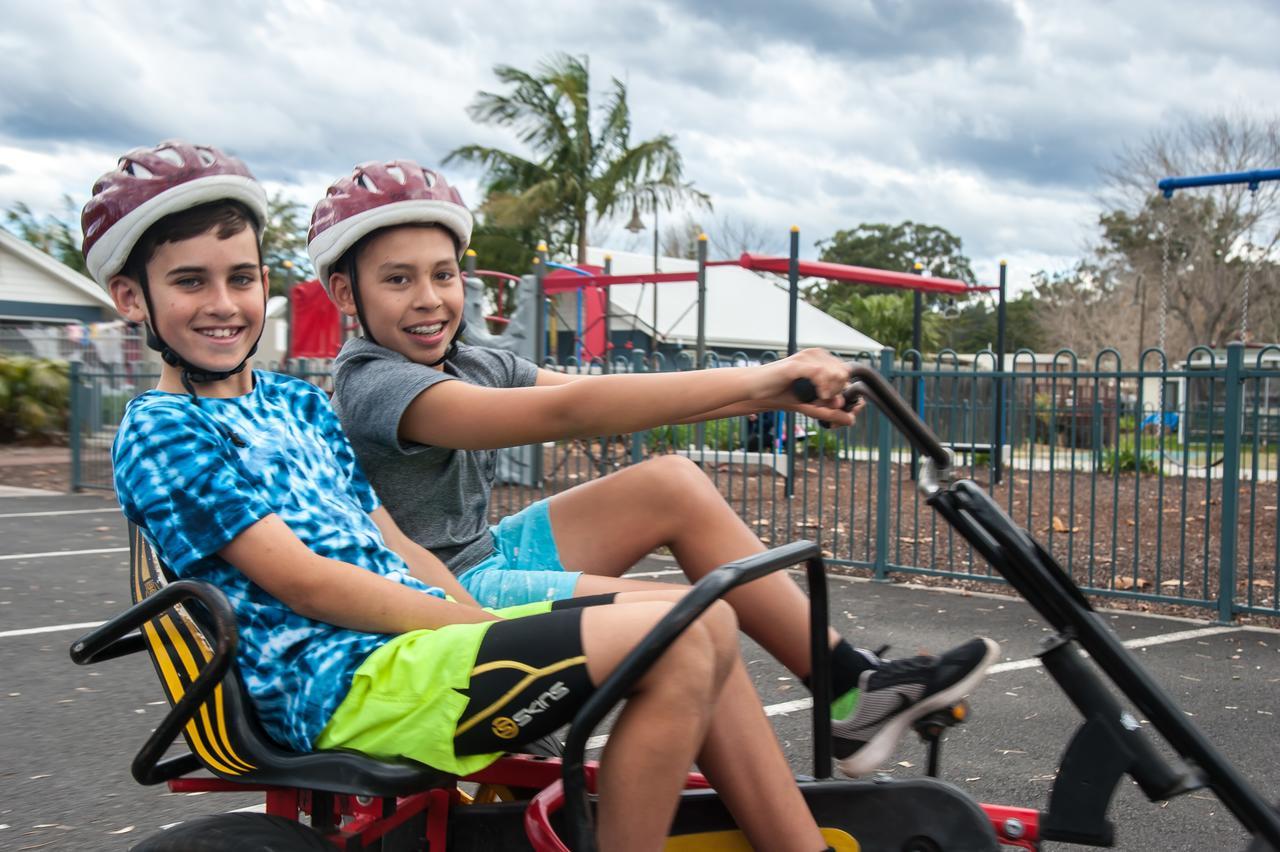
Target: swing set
(1166, 420)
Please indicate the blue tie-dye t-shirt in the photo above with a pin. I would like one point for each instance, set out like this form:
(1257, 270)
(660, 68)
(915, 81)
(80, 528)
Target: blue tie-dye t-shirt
(181, 476)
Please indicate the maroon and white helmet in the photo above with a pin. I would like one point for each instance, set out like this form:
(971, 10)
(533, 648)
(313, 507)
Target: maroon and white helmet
(151, 183)
(379, 195)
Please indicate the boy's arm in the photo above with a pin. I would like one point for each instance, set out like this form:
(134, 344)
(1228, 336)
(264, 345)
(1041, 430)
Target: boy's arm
(463, 416)
(270, 555)
(423, 564)
(787, 402)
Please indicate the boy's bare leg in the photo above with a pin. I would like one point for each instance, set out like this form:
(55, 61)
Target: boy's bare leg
(605, 526)
(669, 719)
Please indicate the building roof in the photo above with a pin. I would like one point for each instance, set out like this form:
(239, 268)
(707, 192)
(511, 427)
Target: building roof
(38, 278)
(745, 310)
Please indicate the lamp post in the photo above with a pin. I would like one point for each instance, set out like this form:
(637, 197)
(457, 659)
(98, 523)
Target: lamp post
(635, 226)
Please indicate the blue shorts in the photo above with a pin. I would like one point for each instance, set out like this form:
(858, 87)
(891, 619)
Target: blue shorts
(526, 566)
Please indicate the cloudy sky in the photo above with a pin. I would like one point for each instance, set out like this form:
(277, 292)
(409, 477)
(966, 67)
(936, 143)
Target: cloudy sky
(989, 118)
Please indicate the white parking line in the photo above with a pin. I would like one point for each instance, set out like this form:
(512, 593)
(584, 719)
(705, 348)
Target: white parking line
(31, 631)
(111, 509)
(64, 553)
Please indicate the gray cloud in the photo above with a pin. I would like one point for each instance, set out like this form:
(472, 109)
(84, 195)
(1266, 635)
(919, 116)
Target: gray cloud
(878, 30)
(989, 119)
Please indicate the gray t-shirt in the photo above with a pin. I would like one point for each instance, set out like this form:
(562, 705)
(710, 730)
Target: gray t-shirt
(438, 496)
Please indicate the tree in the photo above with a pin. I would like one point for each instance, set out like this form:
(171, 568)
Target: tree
(1210, 236)
(1086, 309)
(284, 240)
(53, 235)
(973, 325)
(888, 316)
(577, 170)
(899, 248)
(731, 237)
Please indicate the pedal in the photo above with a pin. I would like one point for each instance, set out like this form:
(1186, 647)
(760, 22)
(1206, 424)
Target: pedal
(931, 727)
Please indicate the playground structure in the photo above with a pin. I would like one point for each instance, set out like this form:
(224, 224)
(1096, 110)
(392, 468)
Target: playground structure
(593, 339)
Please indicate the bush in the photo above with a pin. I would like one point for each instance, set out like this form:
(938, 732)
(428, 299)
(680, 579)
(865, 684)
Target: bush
(1125, 461)
(824, 442)
(34, 398)
(717, 435)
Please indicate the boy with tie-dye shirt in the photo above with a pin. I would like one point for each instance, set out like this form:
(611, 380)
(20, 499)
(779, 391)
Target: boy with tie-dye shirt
(353, 636)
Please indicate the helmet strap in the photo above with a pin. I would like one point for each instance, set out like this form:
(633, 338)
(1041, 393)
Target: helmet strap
(355, 297)
(453, 344)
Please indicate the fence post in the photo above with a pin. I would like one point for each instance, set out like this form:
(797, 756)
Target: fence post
(884, 468)
(1230, 483)
(77, 417)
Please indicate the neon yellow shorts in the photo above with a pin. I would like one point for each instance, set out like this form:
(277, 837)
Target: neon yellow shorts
(404, 699)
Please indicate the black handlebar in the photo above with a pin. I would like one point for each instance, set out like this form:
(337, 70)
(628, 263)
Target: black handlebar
(120, 636)
(866, 382)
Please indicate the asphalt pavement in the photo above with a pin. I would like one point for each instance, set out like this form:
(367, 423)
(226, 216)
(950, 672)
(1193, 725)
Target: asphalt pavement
(68, 734)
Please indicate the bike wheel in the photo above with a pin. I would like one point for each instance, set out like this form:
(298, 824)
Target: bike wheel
(236, 833)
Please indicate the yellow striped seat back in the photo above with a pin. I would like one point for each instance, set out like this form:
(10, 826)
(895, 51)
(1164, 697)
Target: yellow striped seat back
(179, 649)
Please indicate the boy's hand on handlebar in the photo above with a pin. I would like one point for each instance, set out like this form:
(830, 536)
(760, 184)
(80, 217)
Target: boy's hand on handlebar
(826, 374)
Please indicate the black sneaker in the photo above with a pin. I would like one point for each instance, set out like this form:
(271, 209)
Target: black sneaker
(889, 698)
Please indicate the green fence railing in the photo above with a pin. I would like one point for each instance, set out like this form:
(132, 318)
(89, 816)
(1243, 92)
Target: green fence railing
(1165, 497)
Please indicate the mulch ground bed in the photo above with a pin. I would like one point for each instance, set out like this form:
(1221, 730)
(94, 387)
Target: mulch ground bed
(28, 465)
(1122, 534)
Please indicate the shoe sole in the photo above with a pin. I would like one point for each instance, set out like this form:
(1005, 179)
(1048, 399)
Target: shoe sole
(877, 749)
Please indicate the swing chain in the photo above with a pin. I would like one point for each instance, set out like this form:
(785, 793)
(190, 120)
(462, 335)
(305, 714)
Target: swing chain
(1164, 279)
(1248, 264)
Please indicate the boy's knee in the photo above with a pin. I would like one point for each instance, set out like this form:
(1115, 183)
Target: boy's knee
(678, 479)
(689, 667)
(722, 624)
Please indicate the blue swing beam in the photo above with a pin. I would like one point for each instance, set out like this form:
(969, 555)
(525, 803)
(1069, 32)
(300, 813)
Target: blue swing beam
(1253, 178)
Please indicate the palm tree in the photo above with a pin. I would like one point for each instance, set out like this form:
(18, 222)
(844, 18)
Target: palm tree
(576, 171)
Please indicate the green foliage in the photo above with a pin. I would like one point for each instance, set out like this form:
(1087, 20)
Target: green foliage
(1126, 461)
(824, 442)
(717, 435)
(897, 248)
(58, 237)
(900, 247)
(285, 241)
(34, 397)
(888, 318)
(975, 324)
(577, 169)
(887, 315)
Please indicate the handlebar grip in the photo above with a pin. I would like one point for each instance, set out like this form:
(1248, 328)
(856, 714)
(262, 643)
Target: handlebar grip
(804, 390)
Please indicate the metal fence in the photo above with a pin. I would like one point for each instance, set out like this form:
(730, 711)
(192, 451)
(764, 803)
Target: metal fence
(1156, 483)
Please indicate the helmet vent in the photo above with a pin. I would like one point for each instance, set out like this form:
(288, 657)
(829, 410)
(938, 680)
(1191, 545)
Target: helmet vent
(397, 173)
(137, 169)
(206, 156)
(171, 156)
(429, 177)
(366, 183)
